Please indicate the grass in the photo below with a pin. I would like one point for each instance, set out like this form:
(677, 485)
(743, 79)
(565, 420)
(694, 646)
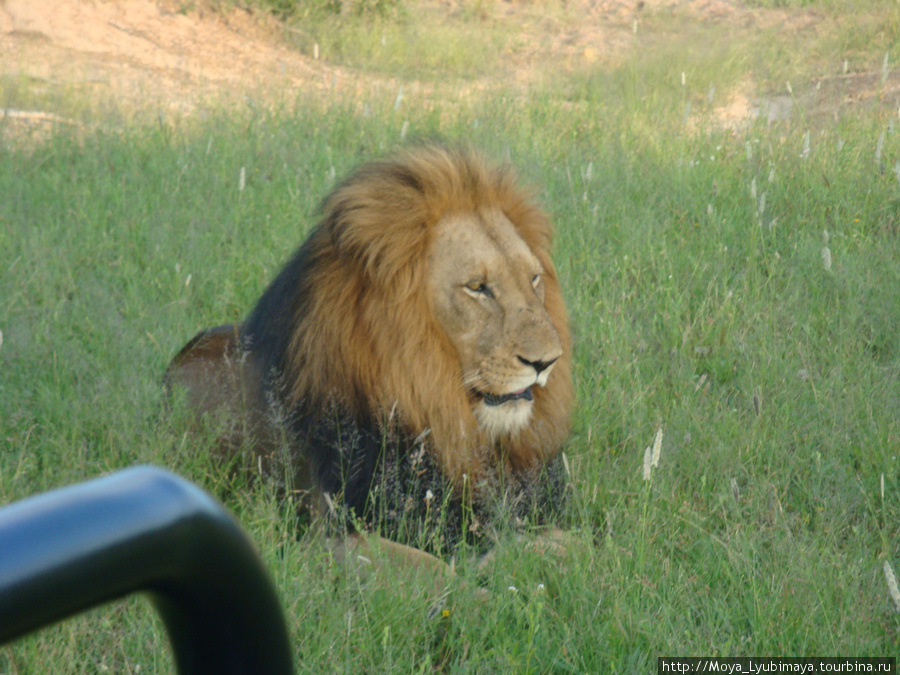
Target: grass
(692, 258)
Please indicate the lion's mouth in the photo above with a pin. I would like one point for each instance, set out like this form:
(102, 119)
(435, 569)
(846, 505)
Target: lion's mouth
(523, 394)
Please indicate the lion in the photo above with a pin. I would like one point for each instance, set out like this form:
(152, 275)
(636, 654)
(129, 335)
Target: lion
(412, 357)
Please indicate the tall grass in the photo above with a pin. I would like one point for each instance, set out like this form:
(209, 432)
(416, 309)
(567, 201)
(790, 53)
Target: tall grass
(703, 302)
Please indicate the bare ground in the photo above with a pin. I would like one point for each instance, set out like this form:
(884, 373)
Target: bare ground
(152, 55)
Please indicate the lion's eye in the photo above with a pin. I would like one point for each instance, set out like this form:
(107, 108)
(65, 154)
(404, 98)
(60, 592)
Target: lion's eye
(479, 288)
(536, 280)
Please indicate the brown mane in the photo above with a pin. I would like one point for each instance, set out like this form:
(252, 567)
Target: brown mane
(375, 235)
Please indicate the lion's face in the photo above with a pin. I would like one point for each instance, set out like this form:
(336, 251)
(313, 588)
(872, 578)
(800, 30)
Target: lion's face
(487, 291)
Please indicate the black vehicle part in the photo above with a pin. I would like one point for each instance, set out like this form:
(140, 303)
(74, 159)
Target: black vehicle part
(144, 529)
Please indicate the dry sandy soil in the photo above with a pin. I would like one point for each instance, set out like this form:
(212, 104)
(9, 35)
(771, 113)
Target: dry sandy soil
(152, 55)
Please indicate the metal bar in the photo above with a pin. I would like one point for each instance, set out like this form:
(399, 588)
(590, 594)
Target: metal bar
(144, 529)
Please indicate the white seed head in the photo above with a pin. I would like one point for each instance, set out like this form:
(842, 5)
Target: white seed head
(657, 447)
(892, 584)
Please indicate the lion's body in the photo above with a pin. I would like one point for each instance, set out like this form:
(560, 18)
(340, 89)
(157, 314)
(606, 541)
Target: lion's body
(416, 340)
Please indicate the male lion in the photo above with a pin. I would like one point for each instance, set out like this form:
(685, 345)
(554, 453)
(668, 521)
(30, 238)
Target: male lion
(411, 362)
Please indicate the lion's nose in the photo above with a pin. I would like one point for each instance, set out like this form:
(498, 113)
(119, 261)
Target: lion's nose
(539, 366)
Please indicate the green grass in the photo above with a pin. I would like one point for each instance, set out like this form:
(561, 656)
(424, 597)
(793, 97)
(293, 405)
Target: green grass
(692, 261)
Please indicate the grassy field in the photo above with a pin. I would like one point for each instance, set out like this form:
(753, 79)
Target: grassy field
(737, 289)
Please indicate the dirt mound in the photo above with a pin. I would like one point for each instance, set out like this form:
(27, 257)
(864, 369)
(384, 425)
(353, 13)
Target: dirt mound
(153, 57)
(146, 54)
(150, 54)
